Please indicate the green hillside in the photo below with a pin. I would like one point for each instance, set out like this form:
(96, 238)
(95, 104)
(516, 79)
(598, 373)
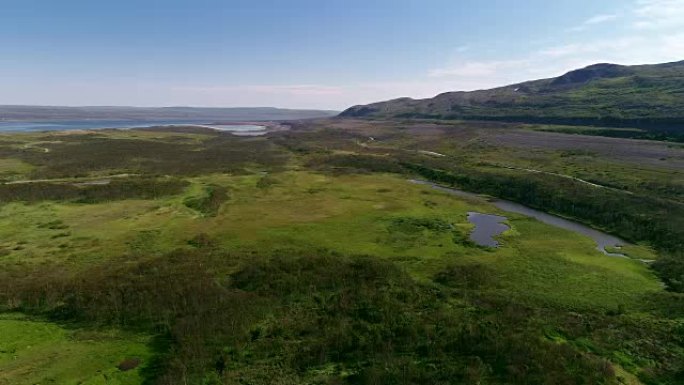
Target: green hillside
(645, 96)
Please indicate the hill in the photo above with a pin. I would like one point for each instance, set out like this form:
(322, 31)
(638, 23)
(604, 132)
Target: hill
(155, 113)
(643, 96)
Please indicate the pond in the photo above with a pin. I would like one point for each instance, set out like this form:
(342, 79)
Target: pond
(241, 129)
(487, 226)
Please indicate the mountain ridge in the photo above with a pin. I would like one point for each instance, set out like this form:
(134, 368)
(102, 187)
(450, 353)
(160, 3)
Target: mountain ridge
(600, 94)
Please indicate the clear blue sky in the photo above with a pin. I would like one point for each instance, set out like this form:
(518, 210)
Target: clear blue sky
(312, 54)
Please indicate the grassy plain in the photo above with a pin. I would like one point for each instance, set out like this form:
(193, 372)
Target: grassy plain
(312, 261)
(38, 352)
(349, 214)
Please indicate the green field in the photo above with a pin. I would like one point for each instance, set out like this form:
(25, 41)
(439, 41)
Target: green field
(308, 257)
(37, 352)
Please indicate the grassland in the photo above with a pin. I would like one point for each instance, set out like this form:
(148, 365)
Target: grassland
(34, 351)
(307, 257)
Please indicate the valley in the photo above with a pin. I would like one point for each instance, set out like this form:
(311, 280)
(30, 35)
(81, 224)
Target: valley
(342, 192)
(307, 256)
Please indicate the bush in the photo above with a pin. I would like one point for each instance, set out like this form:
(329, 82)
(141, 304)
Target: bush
(326, 318)
(210, 201)
(670, 268)
(142, 188)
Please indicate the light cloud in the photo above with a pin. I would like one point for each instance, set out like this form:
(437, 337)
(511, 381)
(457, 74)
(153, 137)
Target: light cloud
(659, 14)
(653, 32)
(308, 96)
(598, 19)
(656, 35)
(661, 44)
(476, 68)
(592, 47)
(298, 90)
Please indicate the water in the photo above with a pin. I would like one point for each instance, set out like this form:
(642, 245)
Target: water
(241, 130)
(63, 125)
(487, 226)
(602, 239)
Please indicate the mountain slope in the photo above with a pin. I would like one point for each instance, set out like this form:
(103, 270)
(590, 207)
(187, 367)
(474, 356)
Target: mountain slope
(602, 94)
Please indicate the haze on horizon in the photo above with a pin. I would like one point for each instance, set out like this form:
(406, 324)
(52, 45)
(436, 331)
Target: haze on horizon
(312, 54)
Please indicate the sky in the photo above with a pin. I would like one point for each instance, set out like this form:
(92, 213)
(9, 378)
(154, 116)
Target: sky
(322, 54)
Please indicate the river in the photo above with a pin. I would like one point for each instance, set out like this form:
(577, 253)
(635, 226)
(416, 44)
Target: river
(602, 239)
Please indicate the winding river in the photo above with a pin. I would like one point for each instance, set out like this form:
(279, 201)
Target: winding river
(602, 239)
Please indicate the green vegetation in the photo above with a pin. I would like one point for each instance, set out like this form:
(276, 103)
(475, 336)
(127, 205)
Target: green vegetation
(631, 133)
(91, 192)
(602, 207)
(144, 152)
(34, 351)
(210, 200)
(306, 257)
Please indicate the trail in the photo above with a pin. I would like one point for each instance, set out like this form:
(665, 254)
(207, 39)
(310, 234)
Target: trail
(530, 170)
(35, 145)
(563, 176)
(431, 153)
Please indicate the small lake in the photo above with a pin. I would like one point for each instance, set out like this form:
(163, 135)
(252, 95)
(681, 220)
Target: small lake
(64, 125)
(241, 129)
(487, 226)
(602, 239)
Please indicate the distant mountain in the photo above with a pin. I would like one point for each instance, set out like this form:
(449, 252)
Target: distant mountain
(647, 96)
(34, 113)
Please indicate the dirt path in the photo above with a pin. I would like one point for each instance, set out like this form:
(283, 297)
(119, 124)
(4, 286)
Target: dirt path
(563, 176)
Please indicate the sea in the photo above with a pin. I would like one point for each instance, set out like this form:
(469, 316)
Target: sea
(64, 125)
